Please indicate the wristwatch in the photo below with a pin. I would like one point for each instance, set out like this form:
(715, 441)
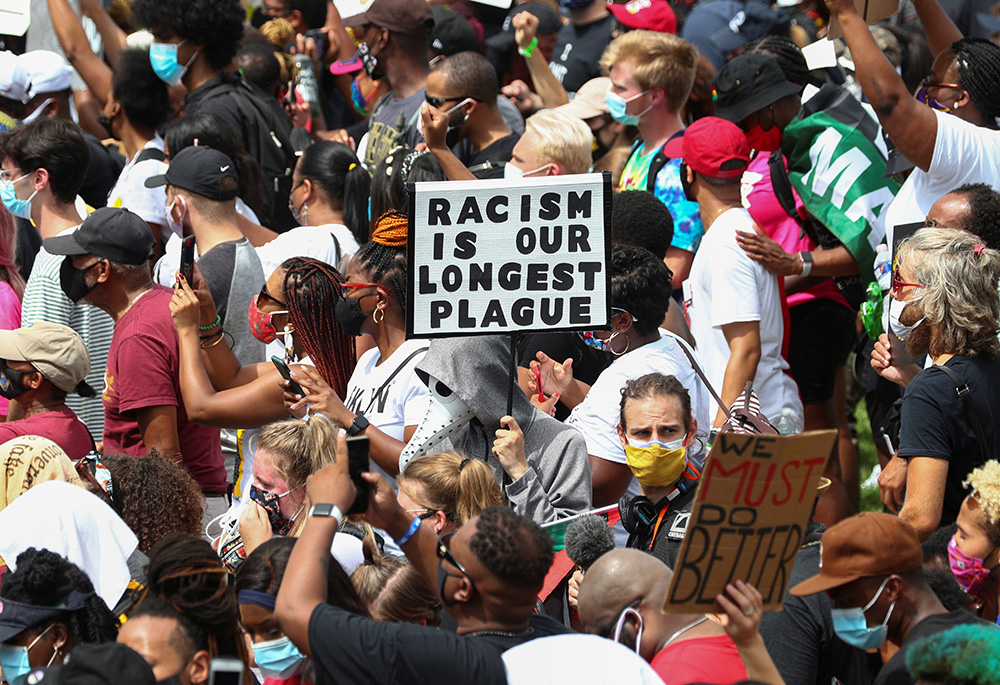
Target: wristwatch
(807, 263)
(328, 511)
(358, 425)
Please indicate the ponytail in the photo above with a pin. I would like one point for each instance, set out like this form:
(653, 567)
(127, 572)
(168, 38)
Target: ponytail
(477, 490)
(449, 482)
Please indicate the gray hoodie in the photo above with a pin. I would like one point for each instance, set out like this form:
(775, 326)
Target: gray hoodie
(558, 481)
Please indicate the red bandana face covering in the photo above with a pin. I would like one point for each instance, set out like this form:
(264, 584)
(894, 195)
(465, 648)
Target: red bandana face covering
(260, 323)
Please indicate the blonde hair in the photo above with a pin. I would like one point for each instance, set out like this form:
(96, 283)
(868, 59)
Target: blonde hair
(393, 590)
(959, 298)
(659, 60)
(985, 484)
(460, 487)
(563, 139)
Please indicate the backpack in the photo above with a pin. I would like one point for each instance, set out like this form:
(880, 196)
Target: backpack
(266, 137)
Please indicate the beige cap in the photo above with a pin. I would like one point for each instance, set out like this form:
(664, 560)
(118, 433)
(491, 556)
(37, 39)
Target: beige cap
(589, 101)
(55, 350)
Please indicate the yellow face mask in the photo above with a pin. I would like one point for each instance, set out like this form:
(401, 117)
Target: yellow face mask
(656, 464)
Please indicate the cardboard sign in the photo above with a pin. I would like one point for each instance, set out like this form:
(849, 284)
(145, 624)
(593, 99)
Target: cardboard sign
(870, 10)
(750, 515)
(492, 256)
(15, 16)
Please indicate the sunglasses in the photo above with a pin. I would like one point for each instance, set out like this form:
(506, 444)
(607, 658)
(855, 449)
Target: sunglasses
(443, 552)
(934, 103)
(267, 296)
(437, 102)
(345, 288)
(898, 283)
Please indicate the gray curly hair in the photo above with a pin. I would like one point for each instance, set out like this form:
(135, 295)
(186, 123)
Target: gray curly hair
(960, 301)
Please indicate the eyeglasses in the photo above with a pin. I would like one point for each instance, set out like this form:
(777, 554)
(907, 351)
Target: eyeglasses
(437, 102)
(443, 552)
(898, 283)
(346, 288)
(267, 296)
(9, 174)
(935, 103)
(424, 514)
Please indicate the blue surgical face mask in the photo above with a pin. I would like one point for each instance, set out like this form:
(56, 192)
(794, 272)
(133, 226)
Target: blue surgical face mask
(163, 59)
(617, 105)
(14, 658)
(851, 625)
(278, 658)
(15, 206)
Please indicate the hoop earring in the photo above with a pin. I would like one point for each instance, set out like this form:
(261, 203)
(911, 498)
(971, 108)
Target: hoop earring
(378, 315)
(628, 343)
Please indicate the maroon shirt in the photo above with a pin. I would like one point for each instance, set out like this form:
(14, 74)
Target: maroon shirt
(61, 426)
(143, 370)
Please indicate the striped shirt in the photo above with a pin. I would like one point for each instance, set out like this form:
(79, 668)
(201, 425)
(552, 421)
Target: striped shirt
(44, 300)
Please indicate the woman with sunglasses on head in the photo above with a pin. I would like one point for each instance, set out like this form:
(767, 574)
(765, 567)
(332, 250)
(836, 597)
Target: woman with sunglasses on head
(949, 130)
(943, 304)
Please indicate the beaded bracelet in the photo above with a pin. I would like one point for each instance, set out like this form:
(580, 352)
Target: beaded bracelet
(218, 320)
(526, 52)
(411, 531)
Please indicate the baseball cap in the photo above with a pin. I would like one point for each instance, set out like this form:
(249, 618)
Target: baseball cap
(111, 233)
(751, 21)
(16, 617)
(201, 170)
(407, 17)
(548, 23)
(749, 83)
(590, 100)
(713, 147)
(54, 349)
(867, 545)
(452, 33)
(13, 78)
(47, 72)
(652, 15)
(106, 663)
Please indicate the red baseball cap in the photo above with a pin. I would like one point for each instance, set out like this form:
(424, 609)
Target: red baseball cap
(652, 15)
(713, 147)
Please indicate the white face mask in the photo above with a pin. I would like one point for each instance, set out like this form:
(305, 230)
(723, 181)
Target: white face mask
(512, 172)
(896, 308)
(177, 226)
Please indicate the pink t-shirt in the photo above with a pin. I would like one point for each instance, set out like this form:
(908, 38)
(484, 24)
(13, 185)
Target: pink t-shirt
(10, 318)
(143, 370)
(767, 212)
(700, 660)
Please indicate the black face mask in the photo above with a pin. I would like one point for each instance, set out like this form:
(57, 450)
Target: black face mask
(349, 315)
(105, 121)
(598, 148)
(686, 185)
(11, 384)
(74, 281)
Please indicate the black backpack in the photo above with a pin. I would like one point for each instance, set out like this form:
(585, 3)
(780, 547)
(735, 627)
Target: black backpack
(266, 137)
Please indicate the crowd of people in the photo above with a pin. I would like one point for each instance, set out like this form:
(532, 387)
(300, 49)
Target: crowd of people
(206, 216)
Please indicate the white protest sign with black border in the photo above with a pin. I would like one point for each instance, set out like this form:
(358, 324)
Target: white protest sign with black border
(502, 257)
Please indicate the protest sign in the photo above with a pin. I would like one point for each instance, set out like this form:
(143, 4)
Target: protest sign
(870, 10)
(750, 515)
(15, 16)
(492, 256)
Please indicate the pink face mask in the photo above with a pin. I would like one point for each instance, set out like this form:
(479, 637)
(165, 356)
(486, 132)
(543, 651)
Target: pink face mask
(968, 571)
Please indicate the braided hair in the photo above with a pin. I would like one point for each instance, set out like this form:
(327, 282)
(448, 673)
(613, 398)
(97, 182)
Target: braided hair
(384, 258)
(978, 64)
(185, 572)
(312, 288)
(43, 578)
(787, 54)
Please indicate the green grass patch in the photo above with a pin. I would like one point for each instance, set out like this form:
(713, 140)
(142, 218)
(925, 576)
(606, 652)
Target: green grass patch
(868, 459)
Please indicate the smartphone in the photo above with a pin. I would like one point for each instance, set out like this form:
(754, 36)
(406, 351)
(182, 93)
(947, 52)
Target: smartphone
(357, 463)
(187, 259)
(286, 373)
(320, 37)
(225, 671)
(537, 374)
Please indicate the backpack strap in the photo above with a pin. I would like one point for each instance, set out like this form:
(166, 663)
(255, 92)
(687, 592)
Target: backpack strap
(659, 161)
(701, 375)
(391, 376)
(150, 153)
(965, 394)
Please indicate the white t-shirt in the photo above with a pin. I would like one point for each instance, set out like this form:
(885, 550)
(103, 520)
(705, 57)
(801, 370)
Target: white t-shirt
(131, 192)
(963, 153)
(327, 243)
(393, 406)
(597, 417)
(726, 286)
